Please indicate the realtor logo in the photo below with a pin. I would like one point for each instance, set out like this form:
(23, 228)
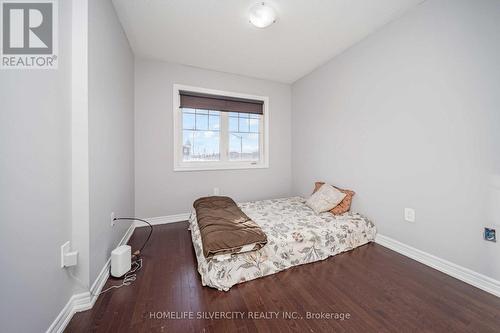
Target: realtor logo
(29, 34)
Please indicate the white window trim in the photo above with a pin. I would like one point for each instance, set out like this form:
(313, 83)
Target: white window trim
(180, 165)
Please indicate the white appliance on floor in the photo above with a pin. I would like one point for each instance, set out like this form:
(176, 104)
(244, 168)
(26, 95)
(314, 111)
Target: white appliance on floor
(121, 260)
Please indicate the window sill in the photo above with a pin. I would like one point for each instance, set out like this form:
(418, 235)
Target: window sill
(215, 167)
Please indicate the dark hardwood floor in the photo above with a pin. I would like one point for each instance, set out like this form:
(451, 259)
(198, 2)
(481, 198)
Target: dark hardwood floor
(381, 291)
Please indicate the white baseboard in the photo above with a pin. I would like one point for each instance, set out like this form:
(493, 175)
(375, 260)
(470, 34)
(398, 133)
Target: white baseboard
(86, 300)
(165, 219)
(466, 275)
(81, 302)
(77, 302)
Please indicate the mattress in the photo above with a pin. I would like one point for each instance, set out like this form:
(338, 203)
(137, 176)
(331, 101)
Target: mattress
(296, 236)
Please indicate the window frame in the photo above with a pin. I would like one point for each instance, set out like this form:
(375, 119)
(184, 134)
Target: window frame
(224, 163)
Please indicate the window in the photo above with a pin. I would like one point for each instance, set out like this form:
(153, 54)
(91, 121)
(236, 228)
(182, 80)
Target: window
(219, 130)
(200, 135)
(244, 135)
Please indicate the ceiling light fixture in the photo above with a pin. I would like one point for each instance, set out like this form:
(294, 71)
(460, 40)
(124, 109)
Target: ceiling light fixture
(262, 15)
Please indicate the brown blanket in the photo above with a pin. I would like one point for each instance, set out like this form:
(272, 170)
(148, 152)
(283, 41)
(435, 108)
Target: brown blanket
(225, 228)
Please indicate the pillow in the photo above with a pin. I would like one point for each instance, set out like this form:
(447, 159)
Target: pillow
(345, 205)
(324, 199)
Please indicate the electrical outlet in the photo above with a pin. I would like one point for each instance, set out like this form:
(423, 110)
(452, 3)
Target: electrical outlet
(68, 258)
(112, 218)
(64, 250)
(409, 214)
(490, 234)
(216, 191)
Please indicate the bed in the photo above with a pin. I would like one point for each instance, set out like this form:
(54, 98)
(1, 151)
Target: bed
(296, 236)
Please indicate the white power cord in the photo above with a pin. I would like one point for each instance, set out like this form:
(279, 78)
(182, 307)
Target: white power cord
(128, 278)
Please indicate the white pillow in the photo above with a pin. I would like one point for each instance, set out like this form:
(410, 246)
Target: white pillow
(324, 199)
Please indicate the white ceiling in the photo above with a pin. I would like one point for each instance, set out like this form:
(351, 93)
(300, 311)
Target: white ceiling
(216, 34)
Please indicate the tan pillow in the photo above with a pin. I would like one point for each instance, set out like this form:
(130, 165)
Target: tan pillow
(324, 199)
(345, 205)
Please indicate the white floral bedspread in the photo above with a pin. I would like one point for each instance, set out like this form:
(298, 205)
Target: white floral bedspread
(296, 235)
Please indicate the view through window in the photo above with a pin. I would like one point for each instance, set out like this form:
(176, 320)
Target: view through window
(201, 135)
(215, 131)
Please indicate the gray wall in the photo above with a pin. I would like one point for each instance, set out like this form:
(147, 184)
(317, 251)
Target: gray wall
(409, 118)
(161, 191)
(111, 131)
(35, 189)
